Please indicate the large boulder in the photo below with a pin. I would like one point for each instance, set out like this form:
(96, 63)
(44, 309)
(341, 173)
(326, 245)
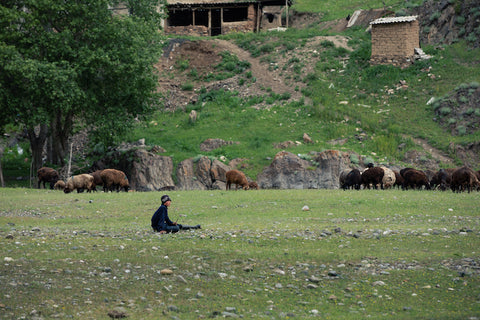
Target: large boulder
(151, 172)
(330, 164)
(289, 171)
(202, 171)
(218, 172)
(186, 177)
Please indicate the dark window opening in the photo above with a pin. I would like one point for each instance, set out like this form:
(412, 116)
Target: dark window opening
(270, 17)
(180, 18)
(235, 14)
(201, 17)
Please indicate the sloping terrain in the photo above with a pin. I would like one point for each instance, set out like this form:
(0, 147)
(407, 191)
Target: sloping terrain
(204, 55)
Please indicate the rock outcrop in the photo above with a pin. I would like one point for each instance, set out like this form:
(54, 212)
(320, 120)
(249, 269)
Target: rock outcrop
(151, 172)
(203, 174)
(289, 171)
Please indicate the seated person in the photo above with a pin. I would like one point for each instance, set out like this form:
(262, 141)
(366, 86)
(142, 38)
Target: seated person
(162, 223)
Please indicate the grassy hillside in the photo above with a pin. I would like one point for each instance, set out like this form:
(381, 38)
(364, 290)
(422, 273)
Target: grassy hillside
(375, 111)
(340, 9)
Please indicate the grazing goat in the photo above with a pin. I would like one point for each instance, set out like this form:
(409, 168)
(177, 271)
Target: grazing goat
(253, 186)
(463, 179)
(353, 180)
(415, 179)
(59, 185)
(114, 180)
(79, 182)
(49, 175)
(398, 179)
(237, 177)
(343, 177)
(97, 179)
(404, 170)
(442, 179)
(374, 176)
(388, 179)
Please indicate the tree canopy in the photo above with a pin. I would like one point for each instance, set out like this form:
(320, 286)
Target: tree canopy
(71, 64)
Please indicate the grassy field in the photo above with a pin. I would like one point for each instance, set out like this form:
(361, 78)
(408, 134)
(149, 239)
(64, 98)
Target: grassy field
(376, 254)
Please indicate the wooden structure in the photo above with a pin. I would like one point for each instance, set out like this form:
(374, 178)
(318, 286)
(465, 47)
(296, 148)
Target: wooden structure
(215, 17)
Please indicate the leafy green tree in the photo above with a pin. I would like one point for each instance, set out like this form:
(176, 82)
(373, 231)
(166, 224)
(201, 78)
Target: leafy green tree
(66, 65)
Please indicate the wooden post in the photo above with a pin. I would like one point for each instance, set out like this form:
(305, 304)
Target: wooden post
(259, 12)
(286, 8)
(209, 22)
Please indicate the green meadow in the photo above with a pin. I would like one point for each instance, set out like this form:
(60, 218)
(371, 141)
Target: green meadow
(274, 254)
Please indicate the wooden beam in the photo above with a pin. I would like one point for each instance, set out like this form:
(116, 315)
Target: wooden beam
(210, 22)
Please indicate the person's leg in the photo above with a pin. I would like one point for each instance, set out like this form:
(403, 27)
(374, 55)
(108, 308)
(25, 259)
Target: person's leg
(173, 229)
(185, 227)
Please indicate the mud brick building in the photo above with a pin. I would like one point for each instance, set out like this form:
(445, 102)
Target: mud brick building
(394, 39)
(215, 17)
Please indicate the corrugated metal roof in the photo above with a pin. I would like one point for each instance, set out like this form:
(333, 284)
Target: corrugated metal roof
(394, 20)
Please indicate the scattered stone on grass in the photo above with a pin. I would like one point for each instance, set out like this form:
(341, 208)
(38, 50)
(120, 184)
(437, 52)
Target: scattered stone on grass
(166, 272)
(118, 313)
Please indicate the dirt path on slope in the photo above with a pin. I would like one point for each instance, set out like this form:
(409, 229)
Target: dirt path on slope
(203, 55)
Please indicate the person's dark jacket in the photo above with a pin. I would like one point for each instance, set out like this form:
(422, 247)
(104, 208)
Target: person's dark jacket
(160, 219)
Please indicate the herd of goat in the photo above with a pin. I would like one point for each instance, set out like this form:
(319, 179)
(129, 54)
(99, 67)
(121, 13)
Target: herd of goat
(110, 179)
(456, 179)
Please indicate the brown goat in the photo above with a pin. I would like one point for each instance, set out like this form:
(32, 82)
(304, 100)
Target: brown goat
(343, 177)
(59, 185)
(398, 179)
(237, 177)
(442, 179)
(353, 180)
(80, 182)
(463, 179)
(97, 179)
(49, 175)
(415, 179)
(114, 180)
(253, 186)
(373, 176)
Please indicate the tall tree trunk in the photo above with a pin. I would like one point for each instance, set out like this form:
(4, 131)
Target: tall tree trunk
(37, 142)
(59, 137)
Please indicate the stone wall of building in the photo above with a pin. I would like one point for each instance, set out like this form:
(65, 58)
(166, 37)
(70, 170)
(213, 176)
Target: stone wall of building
(230, 27)
(187, 30)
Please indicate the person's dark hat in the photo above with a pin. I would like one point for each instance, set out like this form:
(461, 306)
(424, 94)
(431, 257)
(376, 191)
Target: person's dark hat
(165, 198)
